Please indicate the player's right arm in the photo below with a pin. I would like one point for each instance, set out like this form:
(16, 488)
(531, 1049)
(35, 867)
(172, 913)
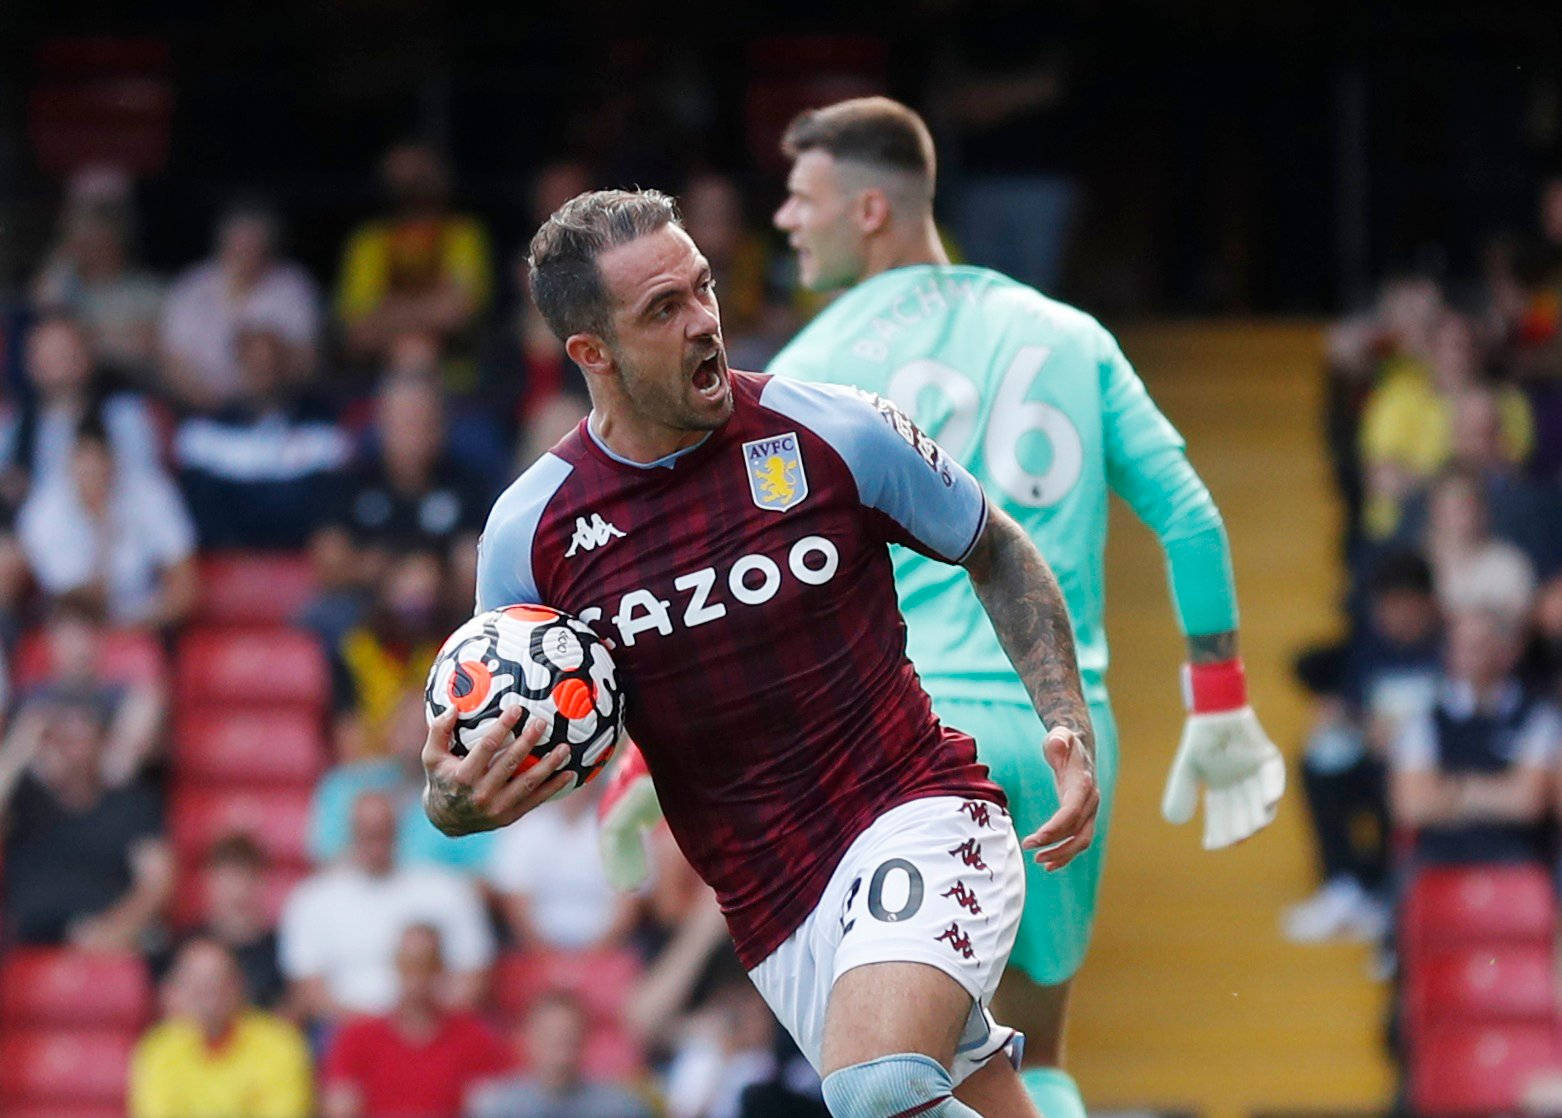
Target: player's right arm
(487, 789)
(1223, 747)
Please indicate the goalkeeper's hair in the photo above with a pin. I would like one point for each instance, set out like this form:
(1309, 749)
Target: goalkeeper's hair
(562, 259)
(877, 131)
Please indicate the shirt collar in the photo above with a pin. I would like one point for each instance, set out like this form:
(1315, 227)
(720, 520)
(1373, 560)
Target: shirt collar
(667, 461)
(1459, 698)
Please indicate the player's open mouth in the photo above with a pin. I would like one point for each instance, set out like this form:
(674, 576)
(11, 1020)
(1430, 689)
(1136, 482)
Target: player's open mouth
(710, 379)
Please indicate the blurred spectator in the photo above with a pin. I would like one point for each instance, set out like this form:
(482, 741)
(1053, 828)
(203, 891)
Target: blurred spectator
(65, 387)
(733, 1063)
(1472, 567)
(551, 1041)
(84, 863)
(414, 493)
(214, 1055)
(419, 1060)
(120, 535)
(1408, 426)
(1394, 334)
(712, 209)
(419, 268)
(1367, 690)
(400, 777)
(340, 928)
(74, 637)
(1471, 776)
(523, 363)
(263, 471)
(244, 283)
(385, 659)
(236, 916)
(90, 275)
(548, 873)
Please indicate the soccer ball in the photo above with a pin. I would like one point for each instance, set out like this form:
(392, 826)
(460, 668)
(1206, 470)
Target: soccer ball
(539, 658)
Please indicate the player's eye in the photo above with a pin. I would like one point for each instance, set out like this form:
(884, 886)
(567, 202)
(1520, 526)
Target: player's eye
(708, 286)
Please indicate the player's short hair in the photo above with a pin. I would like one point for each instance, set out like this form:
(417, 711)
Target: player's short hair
(562, 259)
(872, 130)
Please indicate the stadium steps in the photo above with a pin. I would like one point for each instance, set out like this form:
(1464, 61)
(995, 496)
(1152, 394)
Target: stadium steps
(1190, 997)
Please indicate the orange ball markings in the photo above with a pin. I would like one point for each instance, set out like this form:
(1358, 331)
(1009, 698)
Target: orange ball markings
(573, 698)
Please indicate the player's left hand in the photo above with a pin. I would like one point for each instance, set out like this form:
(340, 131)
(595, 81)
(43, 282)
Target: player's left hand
(1073, 826)
(1242, 773)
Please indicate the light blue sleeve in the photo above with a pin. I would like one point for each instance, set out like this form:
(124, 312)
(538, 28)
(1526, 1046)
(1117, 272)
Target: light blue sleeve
(504, 552)
(1147, 465)
(899, 471)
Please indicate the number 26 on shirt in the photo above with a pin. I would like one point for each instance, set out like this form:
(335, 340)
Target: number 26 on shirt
(1012, 418)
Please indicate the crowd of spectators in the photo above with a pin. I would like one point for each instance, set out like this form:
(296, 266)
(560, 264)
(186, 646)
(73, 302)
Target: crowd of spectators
(362, 424)
(1436, 737)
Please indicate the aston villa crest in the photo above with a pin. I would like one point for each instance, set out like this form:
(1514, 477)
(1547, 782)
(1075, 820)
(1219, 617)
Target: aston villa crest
(775, 472)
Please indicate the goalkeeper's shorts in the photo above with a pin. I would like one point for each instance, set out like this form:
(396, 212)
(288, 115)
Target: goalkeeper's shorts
(1060, 907)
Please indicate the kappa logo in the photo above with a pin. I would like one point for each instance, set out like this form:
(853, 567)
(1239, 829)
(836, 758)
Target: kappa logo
(957, 940)
(964, 897)
(591, 534)
(776, 478)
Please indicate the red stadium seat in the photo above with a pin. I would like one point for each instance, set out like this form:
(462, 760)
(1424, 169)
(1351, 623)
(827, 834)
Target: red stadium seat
(61, 987)
(601, 979)
(1478, 1069)
(55, 1069)
(190, 892)
(249, 745)
(1502, 982)
(1478, 904)
(247, 588)
(277, 819)
(69, 1110)
(129, 656)
(251, 666)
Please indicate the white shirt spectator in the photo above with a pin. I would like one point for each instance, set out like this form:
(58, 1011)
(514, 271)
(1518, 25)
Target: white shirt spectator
(200, 318)
(132, 432)
(549, 856)
(146, 531)
(343, 925)
(1533, 744)
(1496, 576)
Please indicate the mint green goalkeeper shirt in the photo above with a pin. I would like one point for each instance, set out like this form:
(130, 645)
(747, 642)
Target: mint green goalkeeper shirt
(1036, 399)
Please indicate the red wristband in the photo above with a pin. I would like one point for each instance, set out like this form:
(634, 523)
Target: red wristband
(1213, 688)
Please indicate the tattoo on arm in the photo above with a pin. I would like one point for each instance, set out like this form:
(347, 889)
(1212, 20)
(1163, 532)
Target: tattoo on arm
(1022, 597)
(1212, 648)
(450, 807)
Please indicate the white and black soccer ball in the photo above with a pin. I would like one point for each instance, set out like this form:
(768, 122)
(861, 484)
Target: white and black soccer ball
(542, 659)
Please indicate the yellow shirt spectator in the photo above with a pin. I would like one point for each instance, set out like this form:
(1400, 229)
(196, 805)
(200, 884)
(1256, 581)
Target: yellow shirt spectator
(1407, 425)
(386, 257)
(260, 1070)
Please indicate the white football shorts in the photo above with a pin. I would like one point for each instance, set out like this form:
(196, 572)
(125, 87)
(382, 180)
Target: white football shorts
(939, 881)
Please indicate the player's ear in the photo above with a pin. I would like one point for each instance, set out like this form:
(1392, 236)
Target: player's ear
(873, 211)
(590, 353)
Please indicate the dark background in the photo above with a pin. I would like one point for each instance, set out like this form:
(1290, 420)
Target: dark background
(1228, 159)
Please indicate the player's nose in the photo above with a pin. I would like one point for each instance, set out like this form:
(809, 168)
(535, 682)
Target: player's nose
(705, 321)
(782, 218)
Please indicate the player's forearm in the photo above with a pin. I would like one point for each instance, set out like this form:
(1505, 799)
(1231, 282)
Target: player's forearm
(1022, 598)
(1212, 648)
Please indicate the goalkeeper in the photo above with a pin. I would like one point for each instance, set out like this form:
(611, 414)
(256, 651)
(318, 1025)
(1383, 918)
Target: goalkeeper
(1035, 398)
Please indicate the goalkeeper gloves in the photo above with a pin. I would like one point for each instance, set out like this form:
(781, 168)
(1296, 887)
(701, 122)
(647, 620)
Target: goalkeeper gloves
(1224, 749)
(627, 810)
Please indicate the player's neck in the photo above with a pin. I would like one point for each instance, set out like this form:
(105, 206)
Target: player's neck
(902, 250)
(636, 440)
